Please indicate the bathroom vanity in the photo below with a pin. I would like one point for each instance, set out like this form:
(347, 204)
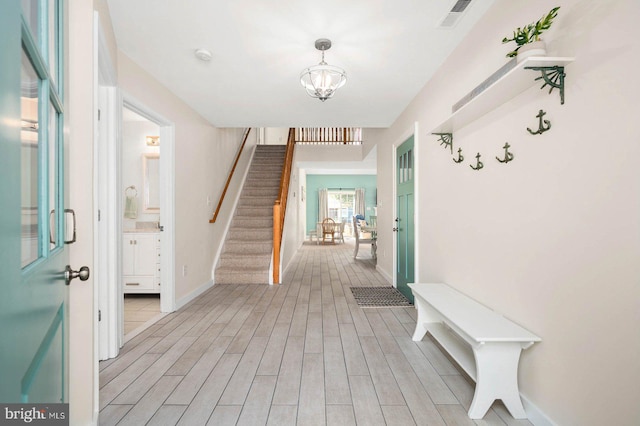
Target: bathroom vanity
(141, 261)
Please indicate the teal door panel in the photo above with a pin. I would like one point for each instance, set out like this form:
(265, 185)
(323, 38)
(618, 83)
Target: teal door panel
(33, 306)
(404, 222)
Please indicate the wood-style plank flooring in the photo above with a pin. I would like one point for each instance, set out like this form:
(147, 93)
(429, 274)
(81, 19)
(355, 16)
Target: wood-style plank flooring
(138, 309)
(299, 353)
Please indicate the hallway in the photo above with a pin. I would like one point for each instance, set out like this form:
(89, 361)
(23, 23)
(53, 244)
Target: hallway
(299, 353)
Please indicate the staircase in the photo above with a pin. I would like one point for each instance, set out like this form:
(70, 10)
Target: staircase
(246, 255)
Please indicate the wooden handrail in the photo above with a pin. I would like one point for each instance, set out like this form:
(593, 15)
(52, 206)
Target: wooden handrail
(280, 205)
(233, 169)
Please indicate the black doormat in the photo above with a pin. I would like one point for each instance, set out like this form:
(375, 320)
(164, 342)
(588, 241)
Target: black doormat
(379, 297)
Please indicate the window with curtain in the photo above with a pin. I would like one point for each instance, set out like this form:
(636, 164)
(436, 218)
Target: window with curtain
(359, 207)
(341, 205)
(323, 207)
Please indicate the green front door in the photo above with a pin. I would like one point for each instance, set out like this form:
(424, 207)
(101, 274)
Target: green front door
(33, 305)
(404, 225)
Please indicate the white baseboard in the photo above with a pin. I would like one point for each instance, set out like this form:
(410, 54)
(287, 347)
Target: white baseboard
(291, 262)
(384, 274)
(535, 415)
(195, 293)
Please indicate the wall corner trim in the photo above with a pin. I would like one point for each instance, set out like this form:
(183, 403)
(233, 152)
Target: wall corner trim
(385, 274)
(535, 415)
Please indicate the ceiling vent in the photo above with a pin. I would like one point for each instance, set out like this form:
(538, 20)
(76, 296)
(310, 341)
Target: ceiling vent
(454, 14)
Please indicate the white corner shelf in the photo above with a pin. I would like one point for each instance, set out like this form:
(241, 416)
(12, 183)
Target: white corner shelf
(511, 84)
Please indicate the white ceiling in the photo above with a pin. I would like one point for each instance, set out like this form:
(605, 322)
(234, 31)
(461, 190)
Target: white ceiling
(389, 48)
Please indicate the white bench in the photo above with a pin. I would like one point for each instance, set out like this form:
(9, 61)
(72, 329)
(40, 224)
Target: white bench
(485, 344)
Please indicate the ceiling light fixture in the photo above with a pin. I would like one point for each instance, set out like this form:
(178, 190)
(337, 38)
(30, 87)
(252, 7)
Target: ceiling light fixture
(321, 81)
(203, 54)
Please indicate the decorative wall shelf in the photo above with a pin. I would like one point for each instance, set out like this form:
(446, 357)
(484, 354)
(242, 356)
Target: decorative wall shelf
(512, 83)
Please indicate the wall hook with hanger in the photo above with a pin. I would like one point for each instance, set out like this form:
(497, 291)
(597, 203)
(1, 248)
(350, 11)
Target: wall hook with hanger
(543, 125)
(479, 164)
(507, 155)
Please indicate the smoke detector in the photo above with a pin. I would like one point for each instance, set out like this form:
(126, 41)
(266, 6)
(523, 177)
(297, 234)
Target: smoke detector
(203, 54)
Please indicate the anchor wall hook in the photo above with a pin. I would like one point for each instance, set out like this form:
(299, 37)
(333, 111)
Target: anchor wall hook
(543, 125)
(507, 155)
(460, 157)
(479, 164)
(446, 139)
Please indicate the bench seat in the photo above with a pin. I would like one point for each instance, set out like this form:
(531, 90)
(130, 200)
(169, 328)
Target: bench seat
(485, 344)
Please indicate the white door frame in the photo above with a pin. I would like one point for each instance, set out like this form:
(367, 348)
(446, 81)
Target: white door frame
(107, 190)
(411, 131)
(167, 198)
(107, 204)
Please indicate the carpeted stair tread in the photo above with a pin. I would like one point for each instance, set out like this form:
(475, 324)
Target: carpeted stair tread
(241, 261)
(255, 247)
(251, 234)
(250, 222)
(224, 276)
(258, 192)
(253, 200)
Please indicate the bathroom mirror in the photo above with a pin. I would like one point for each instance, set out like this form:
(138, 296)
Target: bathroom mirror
(151, 180)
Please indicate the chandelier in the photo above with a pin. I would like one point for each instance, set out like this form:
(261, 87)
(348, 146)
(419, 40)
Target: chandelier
(321, 81)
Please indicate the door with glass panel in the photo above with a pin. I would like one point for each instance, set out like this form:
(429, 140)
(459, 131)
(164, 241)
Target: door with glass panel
(33, 305)
(341, 206)
(404, 222)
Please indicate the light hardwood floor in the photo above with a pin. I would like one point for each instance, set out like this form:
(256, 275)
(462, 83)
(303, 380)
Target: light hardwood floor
(138, 309)
(299, 353)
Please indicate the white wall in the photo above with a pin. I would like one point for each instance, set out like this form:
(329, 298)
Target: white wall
(551, 239)
(276, 135)
(293, 234)
(102, 7)
(329, 153)
(133, 147)
(302, 203)
(203, 157)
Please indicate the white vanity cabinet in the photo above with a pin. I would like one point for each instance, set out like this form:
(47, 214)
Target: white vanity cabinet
(141, 262)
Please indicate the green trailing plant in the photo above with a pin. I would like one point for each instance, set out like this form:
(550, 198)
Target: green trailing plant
(531, 32)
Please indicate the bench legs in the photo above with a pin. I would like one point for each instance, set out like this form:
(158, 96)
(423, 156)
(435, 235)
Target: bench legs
(496, 368)
(423, 318)
(497, 378)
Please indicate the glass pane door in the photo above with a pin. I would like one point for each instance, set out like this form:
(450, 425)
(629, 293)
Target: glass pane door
(341, 207)
(33, 257)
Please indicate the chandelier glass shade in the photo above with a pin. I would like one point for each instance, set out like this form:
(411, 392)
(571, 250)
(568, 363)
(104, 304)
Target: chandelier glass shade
(321, 81)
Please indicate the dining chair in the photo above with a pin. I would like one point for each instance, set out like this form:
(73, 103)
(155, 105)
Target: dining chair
(356, 232)
(339, 234)
(328, 229)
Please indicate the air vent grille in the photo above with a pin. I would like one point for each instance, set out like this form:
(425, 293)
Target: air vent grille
(452, 17)
(460, 6)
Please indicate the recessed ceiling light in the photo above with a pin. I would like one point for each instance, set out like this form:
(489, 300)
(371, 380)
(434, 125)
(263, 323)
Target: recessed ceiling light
(203, 54)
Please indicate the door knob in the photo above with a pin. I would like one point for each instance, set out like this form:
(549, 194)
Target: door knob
(70, 274)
